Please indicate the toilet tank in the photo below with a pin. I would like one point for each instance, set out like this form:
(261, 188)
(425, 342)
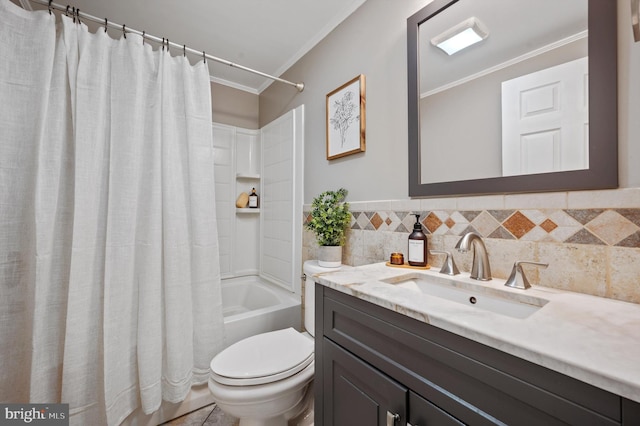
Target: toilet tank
(310, 268)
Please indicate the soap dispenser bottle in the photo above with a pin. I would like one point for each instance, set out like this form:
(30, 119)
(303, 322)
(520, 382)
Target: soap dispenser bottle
(417, 245)
(253, 199)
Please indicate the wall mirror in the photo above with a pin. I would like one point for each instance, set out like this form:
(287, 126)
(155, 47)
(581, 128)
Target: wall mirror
(530, 107)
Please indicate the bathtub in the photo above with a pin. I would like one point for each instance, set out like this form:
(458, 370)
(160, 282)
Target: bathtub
(253, 306)
(250, 305)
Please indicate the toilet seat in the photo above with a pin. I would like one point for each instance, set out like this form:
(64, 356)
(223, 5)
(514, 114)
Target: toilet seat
(260, 359)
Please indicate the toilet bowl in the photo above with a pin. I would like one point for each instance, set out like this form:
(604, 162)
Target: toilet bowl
(263, 379)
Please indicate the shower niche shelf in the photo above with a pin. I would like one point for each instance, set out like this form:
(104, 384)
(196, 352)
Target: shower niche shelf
(249, 176)
(244, 183)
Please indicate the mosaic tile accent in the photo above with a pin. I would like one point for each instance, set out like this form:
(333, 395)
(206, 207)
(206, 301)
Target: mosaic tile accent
(548, 225)
(518, 224)
(432, 222)
(603, 227)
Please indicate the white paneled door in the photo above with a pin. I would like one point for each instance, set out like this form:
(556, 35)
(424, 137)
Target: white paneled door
(545, 120)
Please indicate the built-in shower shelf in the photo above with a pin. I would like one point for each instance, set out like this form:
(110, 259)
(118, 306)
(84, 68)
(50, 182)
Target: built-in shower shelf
(247, 211)
(247, 176)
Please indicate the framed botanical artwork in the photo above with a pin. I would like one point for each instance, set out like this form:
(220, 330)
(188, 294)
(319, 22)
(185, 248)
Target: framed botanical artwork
(346, 119)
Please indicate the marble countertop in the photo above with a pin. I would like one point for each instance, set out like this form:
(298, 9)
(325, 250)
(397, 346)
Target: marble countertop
(592, 339)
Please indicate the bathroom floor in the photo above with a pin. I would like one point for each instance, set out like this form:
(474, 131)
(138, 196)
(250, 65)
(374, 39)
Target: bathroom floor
(211, 415)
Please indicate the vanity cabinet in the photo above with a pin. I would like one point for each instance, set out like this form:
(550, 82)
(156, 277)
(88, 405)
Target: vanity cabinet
(373, 363)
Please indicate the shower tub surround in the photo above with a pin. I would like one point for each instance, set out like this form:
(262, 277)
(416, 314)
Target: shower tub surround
(591, 239)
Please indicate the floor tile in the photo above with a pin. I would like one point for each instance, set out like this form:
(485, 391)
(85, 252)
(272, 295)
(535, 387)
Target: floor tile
(218, 418)
(211, 415)
(195, 418)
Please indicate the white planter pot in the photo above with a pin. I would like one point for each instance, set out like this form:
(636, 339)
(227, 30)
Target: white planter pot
(330, 256)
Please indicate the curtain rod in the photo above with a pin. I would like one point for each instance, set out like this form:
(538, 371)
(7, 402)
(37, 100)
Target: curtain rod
(165, 42)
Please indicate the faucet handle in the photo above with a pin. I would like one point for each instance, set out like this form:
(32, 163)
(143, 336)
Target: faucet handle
(518, 279)
(449, 266)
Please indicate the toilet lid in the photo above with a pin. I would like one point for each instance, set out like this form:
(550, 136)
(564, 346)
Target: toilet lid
(263, 358)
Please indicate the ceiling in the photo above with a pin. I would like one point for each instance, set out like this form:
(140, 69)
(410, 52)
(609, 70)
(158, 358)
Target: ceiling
(266, 35)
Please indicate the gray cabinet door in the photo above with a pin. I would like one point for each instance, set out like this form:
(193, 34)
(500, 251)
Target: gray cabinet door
(356, 394)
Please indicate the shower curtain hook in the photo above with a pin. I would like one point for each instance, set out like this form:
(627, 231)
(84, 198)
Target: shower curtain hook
(78, 14)
(106, 23)
(50, 1)
(73, 13)
(168, 51)
(124, 31)
(163, 44)
(143, 35)
(204, 57)
(184, 50)
(66, 12)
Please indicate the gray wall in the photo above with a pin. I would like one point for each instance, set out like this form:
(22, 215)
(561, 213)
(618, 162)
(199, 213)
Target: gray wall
(234, 107)
(372, 41)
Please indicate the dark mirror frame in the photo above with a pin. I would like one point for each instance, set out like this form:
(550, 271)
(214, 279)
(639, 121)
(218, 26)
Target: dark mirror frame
(603, 116)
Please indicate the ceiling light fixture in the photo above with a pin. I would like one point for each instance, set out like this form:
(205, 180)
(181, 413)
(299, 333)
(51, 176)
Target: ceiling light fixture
(466, 33)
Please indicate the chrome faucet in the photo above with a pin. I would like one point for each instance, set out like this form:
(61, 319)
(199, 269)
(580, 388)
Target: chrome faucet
(480, 269)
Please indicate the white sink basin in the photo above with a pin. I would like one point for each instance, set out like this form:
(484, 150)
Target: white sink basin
(476, 296)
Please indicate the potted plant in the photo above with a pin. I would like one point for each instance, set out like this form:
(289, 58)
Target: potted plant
(329, 220)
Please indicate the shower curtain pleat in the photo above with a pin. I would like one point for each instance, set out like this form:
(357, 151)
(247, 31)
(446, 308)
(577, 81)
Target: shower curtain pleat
(108, 247)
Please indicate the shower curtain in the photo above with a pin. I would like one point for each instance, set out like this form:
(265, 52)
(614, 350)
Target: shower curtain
(109, 271)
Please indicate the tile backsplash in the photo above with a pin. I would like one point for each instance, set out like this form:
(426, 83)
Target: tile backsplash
(591, 239)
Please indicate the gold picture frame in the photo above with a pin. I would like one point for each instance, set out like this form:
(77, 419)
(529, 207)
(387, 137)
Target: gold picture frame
(346, 119)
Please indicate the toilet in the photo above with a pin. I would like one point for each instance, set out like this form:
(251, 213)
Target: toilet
(263, 379)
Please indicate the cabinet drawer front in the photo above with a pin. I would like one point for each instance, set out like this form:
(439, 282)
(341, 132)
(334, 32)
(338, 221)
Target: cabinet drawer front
(452, 371)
